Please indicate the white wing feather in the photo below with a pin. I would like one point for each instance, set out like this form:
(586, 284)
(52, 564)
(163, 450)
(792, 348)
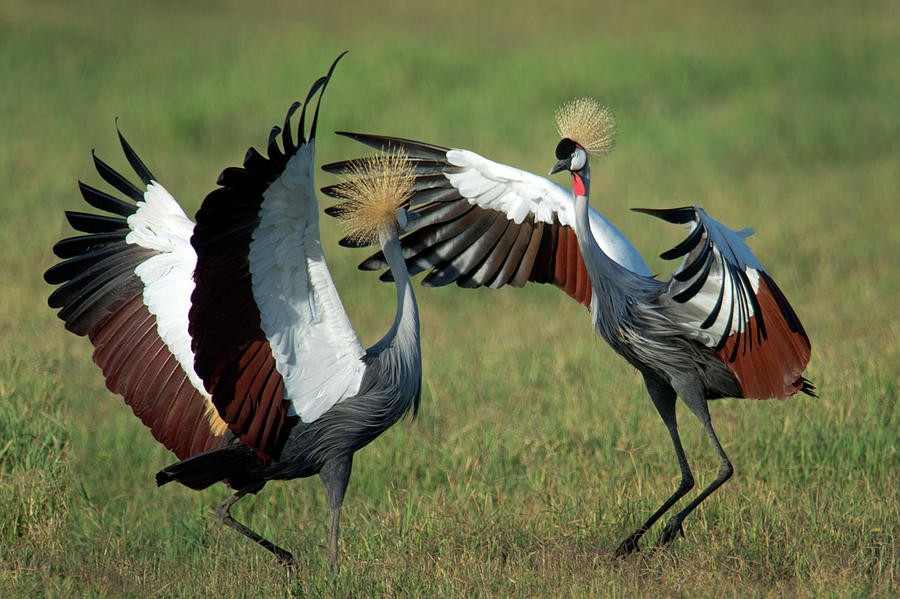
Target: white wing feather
(518, 193)
(316, 350)
(160, 224)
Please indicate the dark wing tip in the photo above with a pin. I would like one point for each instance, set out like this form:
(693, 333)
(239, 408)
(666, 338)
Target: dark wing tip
(686, 246)
(386, 143)
(332, 191)
(350, 242)
(374, 262)
(678, 216)
(324, 84)
(116, 180)
(136, 163)
(354, 136)
(342, 167)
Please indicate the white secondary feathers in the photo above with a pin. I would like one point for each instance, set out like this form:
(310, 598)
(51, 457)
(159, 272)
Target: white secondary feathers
(518, 193)
(160, 224)
(315, 348)
(515, 192)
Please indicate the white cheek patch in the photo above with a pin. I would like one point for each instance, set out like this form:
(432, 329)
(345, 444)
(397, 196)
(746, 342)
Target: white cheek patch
(579, 159)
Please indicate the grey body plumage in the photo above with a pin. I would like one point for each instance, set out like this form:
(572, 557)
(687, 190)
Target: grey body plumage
(626, 312)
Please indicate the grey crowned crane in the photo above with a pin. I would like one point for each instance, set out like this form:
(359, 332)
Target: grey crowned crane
(227, 337)
(720, 327)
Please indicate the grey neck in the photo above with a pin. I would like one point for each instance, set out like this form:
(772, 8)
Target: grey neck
(612, 283)
(404, 332)
(600, 267)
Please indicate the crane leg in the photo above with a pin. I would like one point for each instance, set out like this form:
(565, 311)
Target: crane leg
(335, 475)
(663, 397)
(697, 404)
(223, 511)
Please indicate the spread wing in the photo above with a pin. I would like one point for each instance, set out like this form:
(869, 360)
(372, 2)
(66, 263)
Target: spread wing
(271, 337)
(126, 283)
(487, 224)
(723, 297)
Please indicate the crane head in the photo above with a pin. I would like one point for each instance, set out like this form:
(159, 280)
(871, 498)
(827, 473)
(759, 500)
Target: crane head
(376, 197)
(570, 156)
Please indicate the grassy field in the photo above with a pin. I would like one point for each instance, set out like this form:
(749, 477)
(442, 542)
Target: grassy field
(536, 450)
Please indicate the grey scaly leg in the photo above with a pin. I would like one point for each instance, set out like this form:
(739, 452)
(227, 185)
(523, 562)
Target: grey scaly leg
(223, 511)
(697, 404)
(335, 475)
(663, 397)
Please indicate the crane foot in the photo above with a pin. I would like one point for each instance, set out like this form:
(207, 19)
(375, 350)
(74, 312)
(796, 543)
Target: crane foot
(670, 532)
(285, 558)
(628, 546)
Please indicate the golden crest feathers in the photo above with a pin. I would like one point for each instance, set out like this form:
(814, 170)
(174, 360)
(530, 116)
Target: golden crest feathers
(375, 188)
(588, 123)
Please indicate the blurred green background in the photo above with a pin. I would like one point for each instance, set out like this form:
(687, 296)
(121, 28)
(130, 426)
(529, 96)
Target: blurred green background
(537, 449)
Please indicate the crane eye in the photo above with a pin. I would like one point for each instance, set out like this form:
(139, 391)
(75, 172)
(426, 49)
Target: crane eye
(579, 159)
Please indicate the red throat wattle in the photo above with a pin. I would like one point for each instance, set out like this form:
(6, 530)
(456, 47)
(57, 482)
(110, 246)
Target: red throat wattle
(577, 184)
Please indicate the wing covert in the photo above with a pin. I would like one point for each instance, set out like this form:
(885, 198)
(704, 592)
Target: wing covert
(722, 296)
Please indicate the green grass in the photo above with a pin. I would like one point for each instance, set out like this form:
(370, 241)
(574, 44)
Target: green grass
(536, 450)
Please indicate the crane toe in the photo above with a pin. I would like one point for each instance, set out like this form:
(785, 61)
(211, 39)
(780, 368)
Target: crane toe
(628, 546)
(285, 558)
(670, 532)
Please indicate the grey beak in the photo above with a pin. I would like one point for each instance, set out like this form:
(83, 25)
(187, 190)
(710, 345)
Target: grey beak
(560, 166)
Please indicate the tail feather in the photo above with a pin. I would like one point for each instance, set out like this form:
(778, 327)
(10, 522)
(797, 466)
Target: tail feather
(807, 387)
(232, 463)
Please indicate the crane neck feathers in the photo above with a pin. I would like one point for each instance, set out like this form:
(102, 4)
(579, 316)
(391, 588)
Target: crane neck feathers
(612, 282)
